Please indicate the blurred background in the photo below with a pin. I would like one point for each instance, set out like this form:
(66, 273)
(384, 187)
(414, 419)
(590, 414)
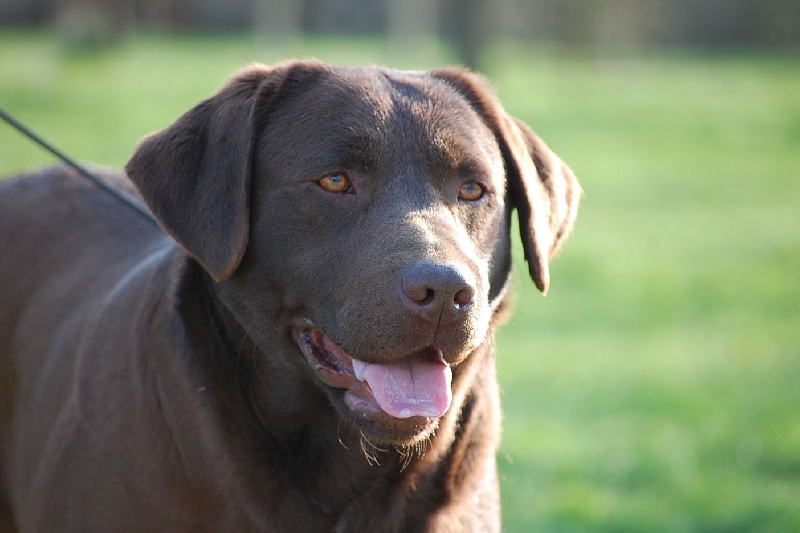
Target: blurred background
(657, 386)
(605, 25)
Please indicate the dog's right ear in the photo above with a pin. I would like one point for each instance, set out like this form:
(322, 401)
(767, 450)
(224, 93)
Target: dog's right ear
(195, 174)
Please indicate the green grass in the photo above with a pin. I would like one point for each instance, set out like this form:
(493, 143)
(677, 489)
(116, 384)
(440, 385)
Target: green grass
(657, 386)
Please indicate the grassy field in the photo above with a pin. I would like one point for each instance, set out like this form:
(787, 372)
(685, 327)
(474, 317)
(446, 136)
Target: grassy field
(657, 386)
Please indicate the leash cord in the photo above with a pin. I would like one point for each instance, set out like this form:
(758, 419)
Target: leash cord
(30, 134)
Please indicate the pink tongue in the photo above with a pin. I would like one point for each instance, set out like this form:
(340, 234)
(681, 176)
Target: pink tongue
(410, 388)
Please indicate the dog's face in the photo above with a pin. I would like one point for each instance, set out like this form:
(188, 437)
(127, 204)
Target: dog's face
(379, 216)
(363, 215)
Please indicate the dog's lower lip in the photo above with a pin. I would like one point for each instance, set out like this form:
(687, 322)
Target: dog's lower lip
(333, 366)
(418, 385)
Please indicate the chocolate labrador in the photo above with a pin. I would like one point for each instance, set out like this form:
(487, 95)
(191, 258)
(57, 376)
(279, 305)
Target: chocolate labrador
(303, 342)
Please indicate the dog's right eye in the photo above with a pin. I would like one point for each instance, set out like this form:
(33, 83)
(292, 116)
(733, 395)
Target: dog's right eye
(471, 191)
(336, 183)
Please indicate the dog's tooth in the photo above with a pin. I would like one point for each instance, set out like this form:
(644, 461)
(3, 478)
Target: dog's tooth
(358, 369)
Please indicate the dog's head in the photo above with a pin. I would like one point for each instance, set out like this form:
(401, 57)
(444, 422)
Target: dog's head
(363, 214)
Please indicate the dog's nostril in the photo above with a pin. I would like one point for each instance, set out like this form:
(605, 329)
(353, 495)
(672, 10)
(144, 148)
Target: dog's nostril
(430, 296)
(463, 298)
(420, 294)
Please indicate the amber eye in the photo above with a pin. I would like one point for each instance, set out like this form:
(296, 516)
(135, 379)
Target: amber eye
(338, 183)
(471, 191)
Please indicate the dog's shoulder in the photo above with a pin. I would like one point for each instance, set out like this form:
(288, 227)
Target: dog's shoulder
(58, 202)
(61, 230)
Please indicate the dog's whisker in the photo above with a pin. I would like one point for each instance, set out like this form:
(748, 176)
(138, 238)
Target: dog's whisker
(339, 435)
(369, 454)
(256, 362)
(405, 457)
(371, 450)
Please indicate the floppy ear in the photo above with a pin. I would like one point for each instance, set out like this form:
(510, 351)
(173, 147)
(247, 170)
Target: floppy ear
(540, 186)
(546, 195)
(195, 174)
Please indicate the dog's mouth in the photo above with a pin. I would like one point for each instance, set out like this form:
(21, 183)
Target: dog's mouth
(414, 385)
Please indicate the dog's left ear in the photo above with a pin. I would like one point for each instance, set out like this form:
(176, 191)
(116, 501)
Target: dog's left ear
(540, 186)
(546, 195)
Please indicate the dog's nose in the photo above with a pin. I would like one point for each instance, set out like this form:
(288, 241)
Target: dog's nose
(438, 292)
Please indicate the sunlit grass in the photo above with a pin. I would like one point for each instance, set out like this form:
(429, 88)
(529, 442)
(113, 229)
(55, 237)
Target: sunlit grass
(657, 386)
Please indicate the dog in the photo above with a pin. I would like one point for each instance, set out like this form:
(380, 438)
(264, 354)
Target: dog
(304, 339)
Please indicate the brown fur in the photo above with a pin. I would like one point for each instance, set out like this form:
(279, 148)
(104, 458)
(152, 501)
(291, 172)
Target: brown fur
(149, 378)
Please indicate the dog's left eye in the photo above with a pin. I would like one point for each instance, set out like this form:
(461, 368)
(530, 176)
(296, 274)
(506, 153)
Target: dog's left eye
(471, 191)
(336, 183)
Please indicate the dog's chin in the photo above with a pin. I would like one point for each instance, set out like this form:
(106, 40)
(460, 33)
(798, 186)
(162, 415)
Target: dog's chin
(375, 425)
(397, 403)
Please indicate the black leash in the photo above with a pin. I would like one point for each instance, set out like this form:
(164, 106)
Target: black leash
(30, 134)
